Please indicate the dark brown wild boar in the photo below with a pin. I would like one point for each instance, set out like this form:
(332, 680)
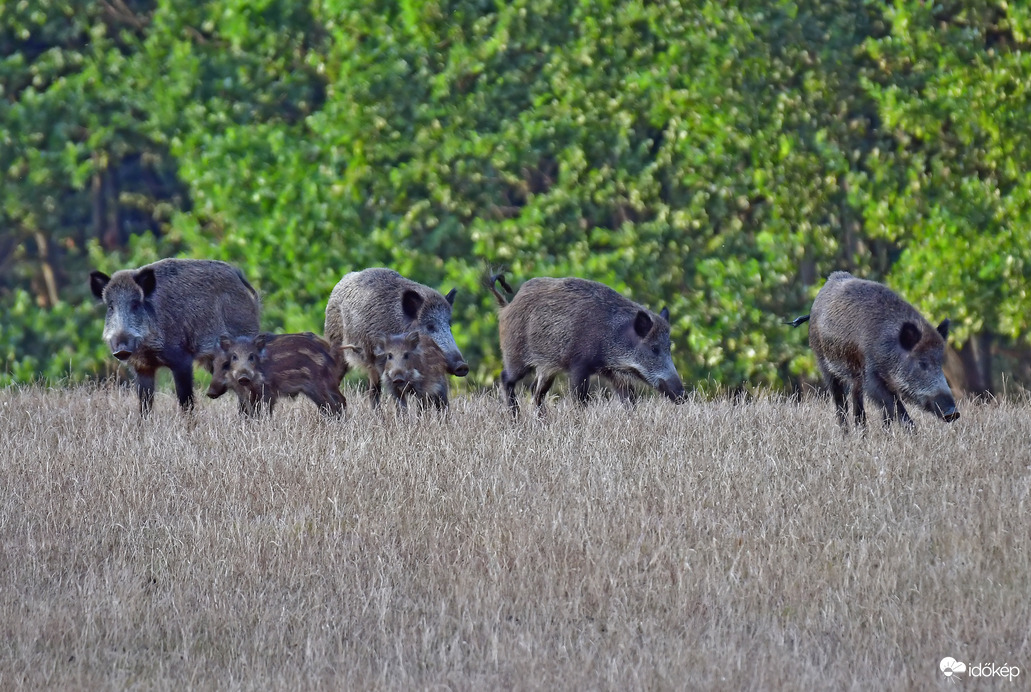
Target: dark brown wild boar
(264, 368)
(171, 313)
(413, 365)
(867, 339)
(582, 328)
(368, 305)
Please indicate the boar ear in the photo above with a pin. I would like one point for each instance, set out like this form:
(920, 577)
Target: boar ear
(909, 335)
(943, 328)
(97, 282)
(224, 342)
(260, 341)
(146, 280)
(450, 297)
(664, 313)
(642, 324)
(412, 340)
(411, 303)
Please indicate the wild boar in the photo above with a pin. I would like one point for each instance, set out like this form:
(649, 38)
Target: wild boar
(582, 328)
(413, 365)
(368, 305)
(172, 313)
(867, 339)
(264, 368)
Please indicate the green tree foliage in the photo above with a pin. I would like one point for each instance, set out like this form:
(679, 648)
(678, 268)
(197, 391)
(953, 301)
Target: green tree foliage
(717, 159)
(78, 167)
(953, 186)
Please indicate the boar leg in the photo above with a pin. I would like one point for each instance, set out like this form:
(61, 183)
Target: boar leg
(580, 383)
(401, 394)
(374, 388)
(332, 404)
(888, 400)
(837, 388)
(145, 389)
(339, 400)
(245, 402)
(321, 401)
(541, 387)
(898, 412)
(510, 380)
(181, 366)
(858, 409)
(624, 388)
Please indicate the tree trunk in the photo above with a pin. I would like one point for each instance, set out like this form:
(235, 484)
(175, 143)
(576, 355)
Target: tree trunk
(104, 190)
(49, 277)
(976, 356)
(99, 200)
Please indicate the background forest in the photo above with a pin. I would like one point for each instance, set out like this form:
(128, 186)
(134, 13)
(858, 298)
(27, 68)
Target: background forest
(719, 158)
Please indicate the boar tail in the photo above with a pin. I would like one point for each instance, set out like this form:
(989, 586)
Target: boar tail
(798, 321)
(247, 284)
(491, 279)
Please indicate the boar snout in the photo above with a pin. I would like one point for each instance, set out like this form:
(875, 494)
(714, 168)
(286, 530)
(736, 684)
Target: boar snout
(123, 346)
(459, 370)
(945, 408)
(673, 389)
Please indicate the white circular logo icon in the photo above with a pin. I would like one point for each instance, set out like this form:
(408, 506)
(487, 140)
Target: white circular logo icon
(951, 666)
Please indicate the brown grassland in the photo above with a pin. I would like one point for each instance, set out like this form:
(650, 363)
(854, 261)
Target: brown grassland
(711, 545)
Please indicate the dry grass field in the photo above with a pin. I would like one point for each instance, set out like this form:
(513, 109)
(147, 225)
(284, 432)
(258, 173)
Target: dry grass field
(711, 545)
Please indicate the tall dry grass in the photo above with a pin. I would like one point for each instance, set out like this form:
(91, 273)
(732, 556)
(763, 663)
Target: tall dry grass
(710, 545)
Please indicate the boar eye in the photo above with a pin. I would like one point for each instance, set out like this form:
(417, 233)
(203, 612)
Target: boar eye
(250, 358)
(655, 350)
(110, 307)
(431, 327)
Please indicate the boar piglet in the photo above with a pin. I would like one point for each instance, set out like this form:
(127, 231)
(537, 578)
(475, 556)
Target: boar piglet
(868, 340)
(170, 314)
(264, 368)
(413, 365)
(582, 328)
(368, 304)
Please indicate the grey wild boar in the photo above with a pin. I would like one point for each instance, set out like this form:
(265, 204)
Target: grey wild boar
(172, 313)
(413, 365)
(582, 328)
(868, 340)
(368, 305)
(264, 368)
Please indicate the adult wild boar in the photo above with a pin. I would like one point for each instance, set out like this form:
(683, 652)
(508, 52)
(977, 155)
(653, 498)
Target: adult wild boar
(582, 328)
(413, 366)
(867, 339)
(171, 313)
(368, 305)
(264, 368)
